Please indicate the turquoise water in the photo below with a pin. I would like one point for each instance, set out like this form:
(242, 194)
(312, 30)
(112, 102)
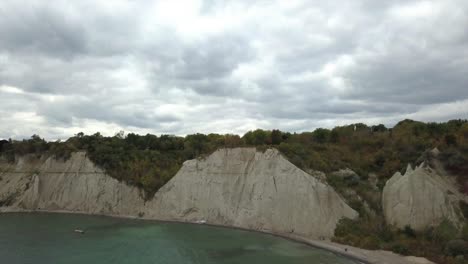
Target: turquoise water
(42, 238)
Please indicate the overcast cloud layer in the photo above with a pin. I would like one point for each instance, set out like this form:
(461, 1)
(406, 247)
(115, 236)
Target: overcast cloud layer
(180, 67)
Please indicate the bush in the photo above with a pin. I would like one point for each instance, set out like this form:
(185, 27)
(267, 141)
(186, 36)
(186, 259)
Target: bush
(370, 242)
(450, 140)
(445, 232)
(464, 231)
(464, 209)
(400, 249)
(364, 232)
(408, 231)
(346, 226)
(386, 234)
(456, 247)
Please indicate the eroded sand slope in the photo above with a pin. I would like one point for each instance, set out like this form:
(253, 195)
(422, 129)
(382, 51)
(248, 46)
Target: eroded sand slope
(235, 187)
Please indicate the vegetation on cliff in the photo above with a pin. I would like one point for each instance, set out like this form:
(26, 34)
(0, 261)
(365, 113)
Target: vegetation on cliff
(374, 153)
(149, 161)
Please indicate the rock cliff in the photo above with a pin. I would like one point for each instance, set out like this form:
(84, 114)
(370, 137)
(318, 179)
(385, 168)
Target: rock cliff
(234, 187)
(420, 198)
(254, 190)
(75, 185)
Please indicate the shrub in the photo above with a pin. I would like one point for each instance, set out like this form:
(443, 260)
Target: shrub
(408, 231)
(346, 226)
(464, 231)
(386, 234)
(445, 232)
(400, 249)
(370, 242)
(456, 247)
(450, 140)
(464, 209)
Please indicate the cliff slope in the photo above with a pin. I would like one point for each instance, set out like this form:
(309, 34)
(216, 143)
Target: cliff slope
(234, 187)
(246, 188)
(72, 185)
(420, 198)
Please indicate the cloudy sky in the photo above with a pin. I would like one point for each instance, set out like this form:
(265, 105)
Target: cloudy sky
(186, 66)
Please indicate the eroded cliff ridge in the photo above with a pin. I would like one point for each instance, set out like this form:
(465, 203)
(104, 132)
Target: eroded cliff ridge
(75, 185)
(239, 187)
(422, 197)
(255, 190)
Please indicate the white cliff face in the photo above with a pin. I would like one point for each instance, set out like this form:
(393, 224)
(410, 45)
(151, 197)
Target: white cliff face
(234, 187)
(420, 198)
(245, 188)
(74, 185)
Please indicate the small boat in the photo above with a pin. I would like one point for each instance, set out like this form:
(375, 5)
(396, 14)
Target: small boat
(80, 231)
(200, 222)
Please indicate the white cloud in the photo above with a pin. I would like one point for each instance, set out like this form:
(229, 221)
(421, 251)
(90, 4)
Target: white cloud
(415, 10)
(10, 89)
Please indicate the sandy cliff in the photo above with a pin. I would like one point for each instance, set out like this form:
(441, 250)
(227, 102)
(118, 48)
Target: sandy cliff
(72, 185)
(254, 190)
(235, 187)
(421, 197)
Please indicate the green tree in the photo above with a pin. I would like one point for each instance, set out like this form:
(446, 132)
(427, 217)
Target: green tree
(379, 128)
(321, 135)
(276, 137)
(257, 137)
(232, 141)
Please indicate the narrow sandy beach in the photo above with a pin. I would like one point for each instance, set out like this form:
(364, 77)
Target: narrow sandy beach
(364, 255)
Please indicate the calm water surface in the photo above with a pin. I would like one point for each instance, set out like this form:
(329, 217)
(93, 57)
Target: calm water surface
(41, 238)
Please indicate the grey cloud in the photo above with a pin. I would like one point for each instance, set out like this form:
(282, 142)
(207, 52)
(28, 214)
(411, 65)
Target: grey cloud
(415, 67)
(41, 30)
(48, 75)
(216, 57)
(203, 66)
(97, 65)
(64, 31)
(410, 79)
(62, 111)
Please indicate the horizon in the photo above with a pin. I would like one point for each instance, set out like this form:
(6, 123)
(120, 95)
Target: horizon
(124, 134)
(228, 67)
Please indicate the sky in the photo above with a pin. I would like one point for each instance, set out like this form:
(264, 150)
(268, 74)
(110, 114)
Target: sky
(219, 66)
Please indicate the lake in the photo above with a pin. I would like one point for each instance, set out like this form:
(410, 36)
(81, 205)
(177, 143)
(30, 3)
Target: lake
(43, 238)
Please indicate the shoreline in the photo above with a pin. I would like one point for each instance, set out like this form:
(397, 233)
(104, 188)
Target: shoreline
(360, 255)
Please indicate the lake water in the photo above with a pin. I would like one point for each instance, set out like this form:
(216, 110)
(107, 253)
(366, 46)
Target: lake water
(40, 238)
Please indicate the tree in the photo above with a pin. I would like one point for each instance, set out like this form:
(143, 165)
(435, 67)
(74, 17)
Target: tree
(120, 134)
(334, 136)
(450, 140)
(379, 128)
(276, 137)
(196, 143)
(256, 138)
(231, 141)
(2, 143)
(321, 135)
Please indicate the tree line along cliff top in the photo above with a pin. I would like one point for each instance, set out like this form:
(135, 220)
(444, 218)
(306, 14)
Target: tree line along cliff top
(149, 161)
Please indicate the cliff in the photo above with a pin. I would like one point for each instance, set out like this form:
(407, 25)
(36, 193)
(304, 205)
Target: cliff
(234, 187)
(254, 190)
(75, 185)
(422, 197)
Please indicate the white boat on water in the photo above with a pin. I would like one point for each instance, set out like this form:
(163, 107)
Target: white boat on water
(80, 231)
(201, 222)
